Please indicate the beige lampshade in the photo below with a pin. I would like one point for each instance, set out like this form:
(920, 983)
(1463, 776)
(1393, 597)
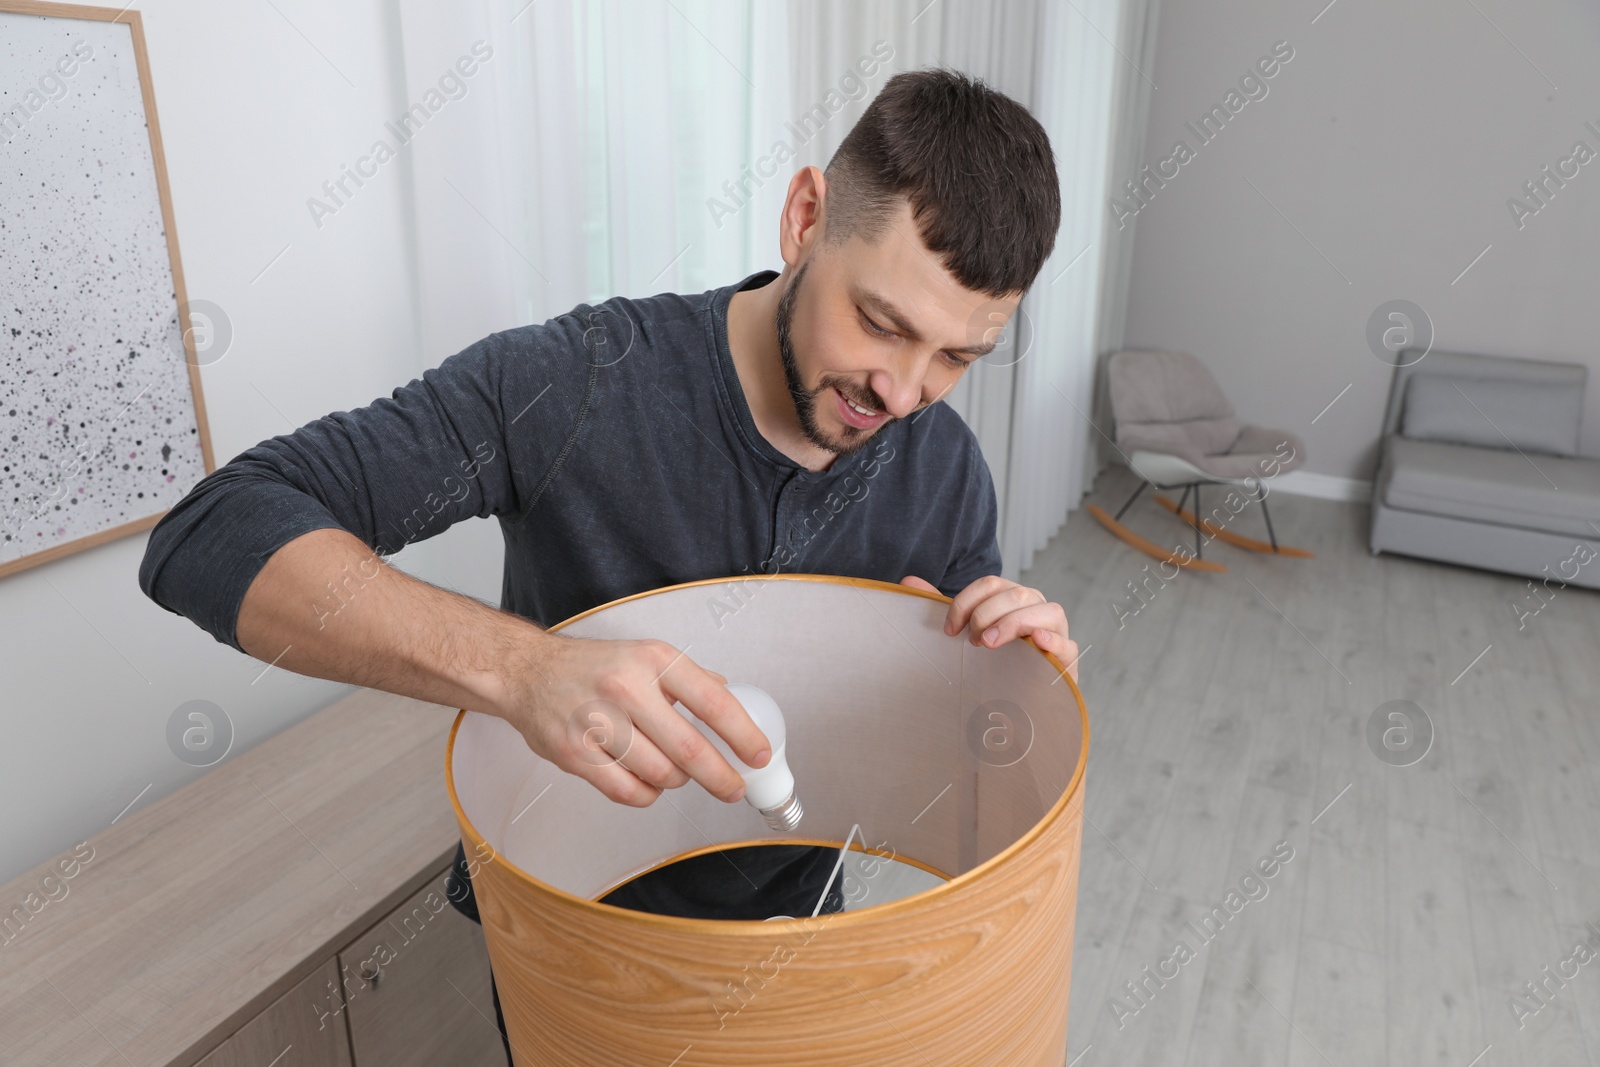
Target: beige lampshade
(966, 761)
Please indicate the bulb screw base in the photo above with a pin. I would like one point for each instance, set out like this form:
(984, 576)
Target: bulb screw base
(786, 816)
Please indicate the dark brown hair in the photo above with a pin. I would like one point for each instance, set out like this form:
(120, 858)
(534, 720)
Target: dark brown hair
(975, 165)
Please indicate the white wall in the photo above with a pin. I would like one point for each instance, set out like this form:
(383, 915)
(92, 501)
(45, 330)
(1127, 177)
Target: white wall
(1391, 141)
(253, 120)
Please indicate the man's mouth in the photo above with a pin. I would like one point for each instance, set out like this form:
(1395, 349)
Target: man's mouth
(856, 415)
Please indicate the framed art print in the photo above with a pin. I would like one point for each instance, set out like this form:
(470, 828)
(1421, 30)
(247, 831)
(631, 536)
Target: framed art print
(102, 423)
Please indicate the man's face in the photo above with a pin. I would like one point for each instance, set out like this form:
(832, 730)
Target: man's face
(883, 326)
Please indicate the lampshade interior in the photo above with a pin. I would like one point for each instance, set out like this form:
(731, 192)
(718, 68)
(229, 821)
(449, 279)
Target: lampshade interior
(943, 752)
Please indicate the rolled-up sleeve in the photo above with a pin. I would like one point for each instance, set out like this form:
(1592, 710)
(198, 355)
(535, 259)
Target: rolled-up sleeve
(401, 469)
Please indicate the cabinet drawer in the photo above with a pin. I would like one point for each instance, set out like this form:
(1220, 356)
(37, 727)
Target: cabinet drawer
(293, 1032)
(417, 988)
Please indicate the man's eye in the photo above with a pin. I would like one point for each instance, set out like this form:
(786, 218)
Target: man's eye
(874, 328)
(957, 361)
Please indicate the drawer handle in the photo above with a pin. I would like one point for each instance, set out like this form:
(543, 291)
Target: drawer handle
(370, 972)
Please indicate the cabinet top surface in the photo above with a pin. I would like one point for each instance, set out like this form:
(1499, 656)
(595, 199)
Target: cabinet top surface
(193, 914)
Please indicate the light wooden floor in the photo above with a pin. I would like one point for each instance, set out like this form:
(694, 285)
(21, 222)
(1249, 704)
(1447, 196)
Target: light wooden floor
(1229, 714)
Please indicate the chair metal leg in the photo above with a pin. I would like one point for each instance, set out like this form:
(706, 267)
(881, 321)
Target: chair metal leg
(1215, 532)
(1265, 514)
(1197, 520)
(1123, 510)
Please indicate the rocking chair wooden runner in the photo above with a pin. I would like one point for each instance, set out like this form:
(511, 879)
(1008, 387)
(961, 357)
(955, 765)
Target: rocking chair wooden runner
(1176, 429)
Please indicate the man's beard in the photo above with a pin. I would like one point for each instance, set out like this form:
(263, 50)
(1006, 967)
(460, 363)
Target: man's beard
(805, 401)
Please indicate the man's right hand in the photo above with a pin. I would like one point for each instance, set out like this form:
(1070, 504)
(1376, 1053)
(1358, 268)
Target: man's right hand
(603, 710)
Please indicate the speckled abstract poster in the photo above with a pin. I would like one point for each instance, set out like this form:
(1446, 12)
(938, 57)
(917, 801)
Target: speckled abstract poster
(99, 422)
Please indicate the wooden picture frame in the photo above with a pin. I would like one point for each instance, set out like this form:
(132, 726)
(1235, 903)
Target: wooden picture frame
(63, 122)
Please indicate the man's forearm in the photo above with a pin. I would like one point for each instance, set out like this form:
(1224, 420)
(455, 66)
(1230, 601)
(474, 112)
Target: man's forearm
(326, 605)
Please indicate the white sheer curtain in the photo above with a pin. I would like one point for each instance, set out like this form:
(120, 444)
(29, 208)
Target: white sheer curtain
(1076, 304)
(634, 129)
(632, 147)
(1136, 39)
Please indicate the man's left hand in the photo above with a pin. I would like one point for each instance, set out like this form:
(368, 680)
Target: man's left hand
(994, 610)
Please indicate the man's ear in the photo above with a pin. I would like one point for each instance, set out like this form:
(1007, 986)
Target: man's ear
(800, 226)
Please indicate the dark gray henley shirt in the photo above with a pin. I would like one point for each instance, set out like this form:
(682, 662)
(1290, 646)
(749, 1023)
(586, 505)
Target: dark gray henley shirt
(616, 448)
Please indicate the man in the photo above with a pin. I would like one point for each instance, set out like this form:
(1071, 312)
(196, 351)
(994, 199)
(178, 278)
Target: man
(788, 422)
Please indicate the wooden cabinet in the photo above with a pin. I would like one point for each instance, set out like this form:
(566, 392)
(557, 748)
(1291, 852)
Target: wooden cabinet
(411, 991)
(291, 1032)
(417, 989)
(226, 924)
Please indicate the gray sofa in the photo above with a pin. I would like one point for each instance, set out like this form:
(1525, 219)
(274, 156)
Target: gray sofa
(1479, 466)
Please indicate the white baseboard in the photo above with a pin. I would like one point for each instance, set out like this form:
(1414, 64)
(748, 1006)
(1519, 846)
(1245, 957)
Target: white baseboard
(1322, 486)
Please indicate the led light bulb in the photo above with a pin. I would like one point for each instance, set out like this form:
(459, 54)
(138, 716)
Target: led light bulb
(769, 789)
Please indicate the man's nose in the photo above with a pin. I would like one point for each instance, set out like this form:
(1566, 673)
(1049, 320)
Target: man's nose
(900, 393)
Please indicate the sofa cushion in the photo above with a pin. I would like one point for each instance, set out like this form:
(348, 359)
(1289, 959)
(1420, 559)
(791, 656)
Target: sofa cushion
(1554, 494)
(1493, 413)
